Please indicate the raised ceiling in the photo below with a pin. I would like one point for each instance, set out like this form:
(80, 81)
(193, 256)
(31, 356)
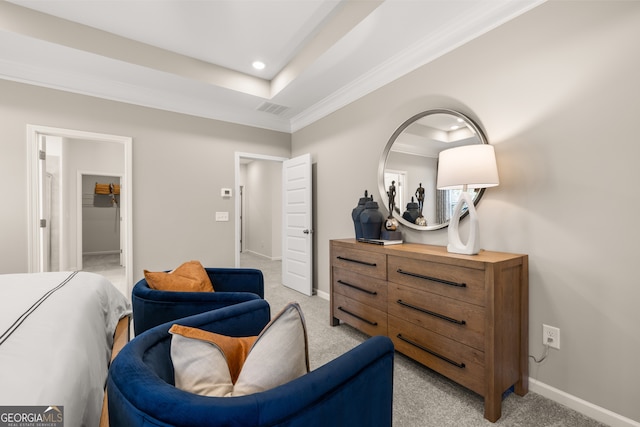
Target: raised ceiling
(194, 57)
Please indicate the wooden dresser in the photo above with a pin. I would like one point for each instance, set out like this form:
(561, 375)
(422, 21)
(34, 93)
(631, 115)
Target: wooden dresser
(464, 316)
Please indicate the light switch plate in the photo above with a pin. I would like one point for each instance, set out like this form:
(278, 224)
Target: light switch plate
(222, 216)
(225, 192)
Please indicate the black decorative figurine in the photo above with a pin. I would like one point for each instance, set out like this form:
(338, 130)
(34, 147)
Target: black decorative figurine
(420, 196)
(391, 224)
(421, 220)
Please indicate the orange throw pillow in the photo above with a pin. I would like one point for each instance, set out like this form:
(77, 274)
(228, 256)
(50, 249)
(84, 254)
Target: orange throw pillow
(189, 277)
(234, 349)
(211, 364)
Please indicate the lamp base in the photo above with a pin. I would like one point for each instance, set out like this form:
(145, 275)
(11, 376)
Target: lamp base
(462, 250)
(472, 247)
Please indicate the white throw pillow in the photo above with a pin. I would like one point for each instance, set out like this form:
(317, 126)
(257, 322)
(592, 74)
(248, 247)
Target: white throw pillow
(210, 364)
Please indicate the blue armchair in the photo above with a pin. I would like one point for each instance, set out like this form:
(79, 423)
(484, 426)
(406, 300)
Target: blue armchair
(232, 286)
(354, 389)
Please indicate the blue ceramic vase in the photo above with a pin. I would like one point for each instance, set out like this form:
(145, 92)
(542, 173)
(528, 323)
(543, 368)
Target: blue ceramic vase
(371, 219)
(355, 214)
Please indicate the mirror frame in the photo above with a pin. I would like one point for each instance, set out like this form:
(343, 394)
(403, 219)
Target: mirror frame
(385, 154)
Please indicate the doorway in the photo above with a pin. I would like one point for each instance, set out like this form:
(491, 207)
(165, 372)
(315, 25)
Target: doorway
(100, 236)
(294, 218)
(398, 178)
(77, 152)
(258, 218)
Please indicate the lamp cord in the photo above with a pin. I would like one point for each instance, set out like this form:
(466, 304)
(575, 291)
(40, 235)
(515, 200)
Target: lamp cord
(544, 356)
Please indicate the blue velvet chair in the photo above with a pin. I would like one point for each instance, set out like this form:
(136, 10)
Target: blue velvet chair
(232, 286)
(354, 389)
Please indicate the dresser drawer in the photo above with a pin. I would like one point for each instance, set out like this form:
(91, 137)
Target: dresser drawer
(457, 320)
(363, 262)
(364, 289)
(461, 283)
(369, 320)
(461, 363)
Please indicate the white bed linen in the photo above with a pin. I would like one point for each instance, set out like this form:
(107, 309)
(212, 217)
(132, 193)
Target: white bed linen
(59, 353)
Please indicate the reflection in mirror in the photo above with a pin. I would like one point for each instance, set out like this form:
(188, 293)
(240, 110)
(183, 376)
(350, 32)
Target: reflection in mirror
(411, 160)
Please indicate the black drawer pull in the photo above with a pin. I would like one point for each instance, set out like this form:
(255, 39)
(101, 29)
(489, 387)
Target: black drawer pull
(433, 279)
(357, 288)
(431, 313)
(358, 317)
(439, 356)
(357, 261)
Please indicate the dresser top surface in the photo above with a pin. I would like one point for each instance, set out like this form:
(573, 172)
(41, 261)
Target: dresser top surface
(419, 249)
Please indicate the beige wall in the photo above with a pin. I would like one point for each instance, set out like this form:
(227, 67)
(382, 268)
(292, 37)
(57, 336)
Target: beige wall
(180, 163)
(557, 92)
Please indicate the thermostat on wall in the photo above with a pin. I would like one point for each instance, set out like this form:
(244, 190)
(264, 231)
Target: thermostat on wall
(225, 192)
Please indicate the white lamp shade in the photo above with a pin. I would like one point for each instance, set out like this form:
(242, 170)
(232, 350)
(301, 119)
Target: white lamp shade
(470, 165)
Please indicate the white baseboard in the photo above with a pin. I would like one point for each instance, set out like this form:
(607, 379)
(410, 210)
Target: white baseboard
(270, 258)
(117, 251)
(322, 294)
(582, 406)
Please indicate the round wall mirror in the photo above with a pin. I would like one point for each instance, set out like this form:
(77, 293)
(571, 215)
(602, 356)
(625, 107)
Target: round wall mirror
(409, 167)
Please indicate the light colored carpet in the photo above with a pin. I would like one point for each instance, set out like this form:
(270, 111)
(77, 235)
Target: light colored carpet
(422, 398)
(109, 266)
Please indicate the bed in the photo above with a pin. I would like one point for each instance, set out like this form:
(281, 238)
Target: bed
(57, 334)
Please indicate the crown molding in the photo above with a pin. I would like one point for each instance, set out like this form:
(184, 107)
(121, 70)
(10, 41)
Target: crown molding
(471, 26)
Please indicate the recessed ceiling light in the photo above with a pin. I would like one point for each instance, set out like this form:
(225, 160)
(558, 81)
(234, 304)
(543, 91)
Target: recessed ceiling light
(258, 65)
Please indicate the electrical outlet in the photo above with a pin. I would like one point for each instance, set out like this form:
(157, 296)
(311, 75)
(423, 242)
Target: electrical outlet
(551, 336)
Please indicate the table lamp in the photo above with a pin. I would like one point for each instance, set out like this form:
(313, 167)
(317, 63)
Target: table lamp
(465, 167)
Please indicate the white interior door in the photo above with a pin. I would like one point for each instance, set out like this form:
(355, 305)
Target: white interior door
(297, 243)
